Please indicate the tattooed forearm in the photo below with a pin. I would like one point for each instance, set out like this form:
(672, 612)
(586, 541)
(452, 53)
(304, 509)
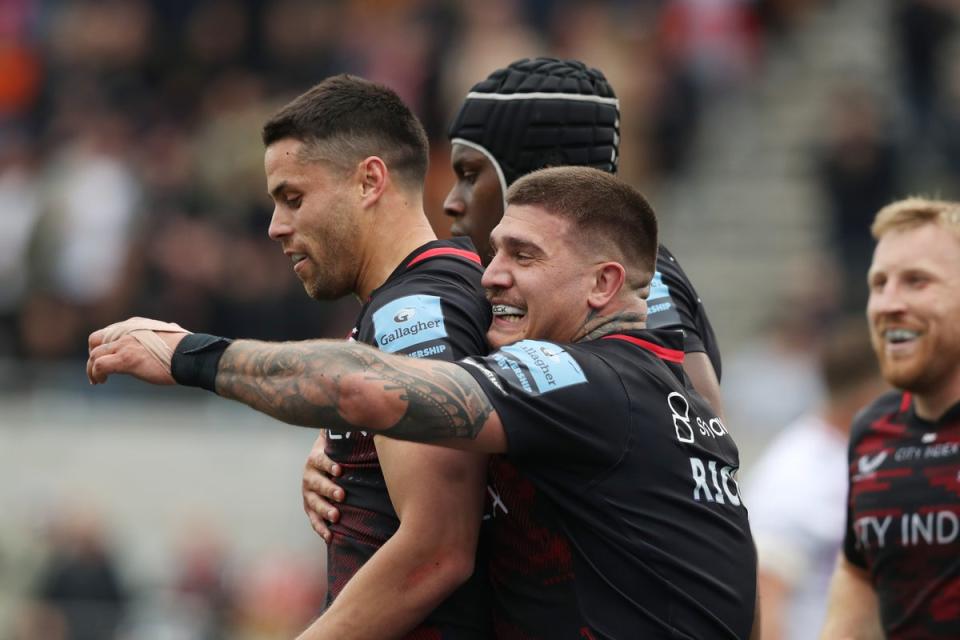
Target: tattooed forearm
(349, 386)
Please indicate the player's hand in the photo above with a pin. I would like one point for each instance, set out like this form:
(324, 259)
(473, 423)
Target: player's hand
(319, 491)
(112, 351)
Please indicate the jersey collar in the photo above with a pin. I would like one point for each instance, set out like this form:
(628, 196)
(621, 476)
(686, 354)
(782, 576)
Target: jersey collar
(665, 344)
(459, 247)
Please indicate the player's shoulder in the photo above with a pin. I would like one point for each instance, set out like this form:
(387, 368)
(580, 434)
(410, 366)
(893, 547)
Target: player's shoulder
(671, 287)
(440, 267)
(669, 266)
(886, 409)
(646, 359)
(647, 344)
(445, 268)
(453, 256)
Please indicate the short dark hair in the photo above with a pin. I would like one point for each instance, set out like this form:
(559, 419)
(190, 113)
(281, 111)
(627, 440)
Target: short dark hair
(344, 119)
(600, 205)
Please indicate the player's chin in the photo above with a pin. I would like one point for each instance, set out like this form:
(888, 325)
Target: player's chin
(908, 376)
(501, 334)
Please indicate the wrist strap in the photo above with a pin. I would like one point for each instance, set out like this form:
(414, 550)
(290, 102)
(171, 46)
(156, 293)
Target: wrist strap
(196, 360)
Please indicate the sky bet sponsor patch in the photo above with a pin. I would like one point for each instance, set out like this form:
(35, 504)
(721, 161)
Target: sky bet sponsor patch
(538, 367)
(408, 321)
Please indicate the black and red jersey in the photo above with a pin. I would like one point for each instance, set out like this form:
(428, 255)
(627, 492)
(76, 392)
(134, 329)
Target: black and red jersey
(431, 306)
(673, 303)
(903, 515)
(616, 513)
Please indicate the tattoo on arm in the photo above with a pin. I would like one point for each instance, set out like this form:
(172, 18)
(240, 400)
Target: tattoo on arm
(350, 386)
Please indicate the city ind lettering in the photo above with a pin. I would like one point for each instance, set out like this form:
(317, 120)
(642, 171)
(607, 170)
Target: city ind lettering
(907, 530)
(933, 451)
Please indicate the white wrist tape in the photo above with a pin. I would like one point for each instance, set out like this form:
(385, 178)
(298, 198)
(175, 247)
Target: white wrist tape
(145, 330)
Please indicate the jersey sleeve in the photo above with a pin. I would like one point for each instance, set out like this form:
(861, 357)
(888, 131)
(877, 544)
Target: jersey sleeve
(556, 404)
(431, 317)
(852, 550)
(673, 303)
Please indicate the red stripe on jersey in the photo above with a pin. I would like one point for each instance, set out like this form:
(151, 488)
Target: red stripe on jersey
(445, 251)
(672, 355)
(905, 401)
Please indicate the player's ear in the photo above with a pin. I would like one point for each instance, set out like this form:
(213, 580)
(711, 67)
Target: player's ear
(373, 178)
(608, 280)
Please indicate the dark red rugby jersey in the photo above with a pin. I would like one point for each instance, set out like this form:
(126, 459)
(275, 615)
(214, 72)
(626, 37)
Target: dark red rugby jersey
(903, 515)
(616, 512)
(431, 306)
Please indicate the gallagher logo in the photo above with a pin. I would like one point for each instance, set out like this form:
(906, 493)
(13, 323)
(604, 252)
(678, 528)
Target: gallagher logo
(405, 314)
(550, 353)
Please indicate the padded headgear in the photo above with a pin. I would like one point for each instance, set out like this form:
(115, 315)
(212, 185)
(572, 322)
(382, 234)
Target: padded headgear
(541, 112)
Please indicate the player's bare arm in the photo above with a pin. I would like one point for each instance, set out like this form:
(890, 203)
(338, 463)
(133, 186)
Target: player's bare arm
(352, 386)
(852, 610)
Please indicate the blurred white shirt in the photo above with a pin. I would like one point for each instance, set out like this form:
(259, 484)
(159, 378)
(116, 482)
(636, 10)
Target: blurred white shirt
(796, 495)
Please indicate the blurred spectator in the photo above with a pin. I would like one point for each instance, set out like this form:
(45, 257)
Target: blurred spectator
(781, 17)
(797, 490)
(923, 29)
(950, 129)
(202, 581)
(859, 167)
(21, 71)
(772, 380)
(302, 42)
(79, 595)
(20, 204)
(94, 206)
(704, 49)
(278, 598)
(716, 42)
(83, 246)
(492, 34)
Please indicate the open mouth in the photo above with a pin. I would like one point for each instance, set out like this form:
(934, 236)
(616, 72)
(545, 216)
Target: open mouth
(298, 257)
(508, 313)
(900, 336)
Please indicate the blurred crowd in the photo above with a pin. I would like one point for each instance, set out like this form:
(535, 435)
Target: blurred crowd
(81, 590)
(130, 163)
(131, 183)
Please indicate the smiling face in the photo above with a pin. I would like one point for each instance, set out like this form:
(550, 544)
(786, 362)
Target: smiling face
(476, 201)
(314, 219)
(914, 310)
(538, 281)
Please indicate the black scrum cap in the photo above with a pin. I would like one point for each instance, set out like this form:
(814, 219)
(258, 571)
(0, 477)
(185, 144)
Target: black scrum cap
(541, 112)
